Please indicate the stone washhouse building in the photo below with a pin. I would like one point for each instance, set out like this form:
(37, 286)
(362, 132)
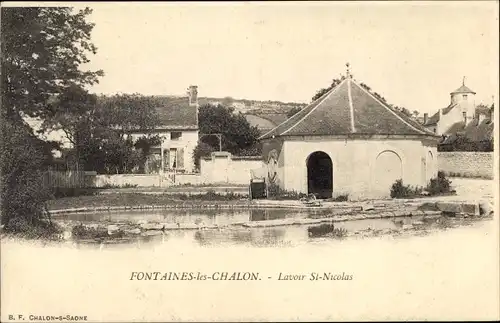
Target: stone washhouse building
(349, 142)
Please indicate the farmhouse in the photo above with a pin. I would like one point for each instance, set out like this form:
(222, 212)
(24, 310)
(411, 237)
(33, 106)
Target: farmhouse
(178, 131)
(463, 125)
(461, 109)
(349, 142)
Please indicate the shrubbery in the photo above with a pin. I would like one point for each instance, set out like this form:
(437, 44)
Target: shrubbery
(437, 186)
(210, 195)
(326, 229)
(276, 192)
(82, 232)
(23, 194)
(340, 198)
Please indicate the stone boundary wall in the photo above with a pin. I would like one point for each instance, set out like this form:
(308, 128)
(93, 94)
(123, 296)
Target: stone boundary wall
(139, 180)
(466, 164)
(222, 167)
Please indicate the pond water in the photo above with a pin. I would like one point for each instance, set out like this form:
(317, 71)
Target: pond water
(278, 236)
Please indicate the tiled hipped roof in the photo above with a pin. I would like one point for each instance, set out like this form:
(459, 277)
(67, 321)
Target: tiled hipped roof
(475, 131)
(463, 89)
(348, 109)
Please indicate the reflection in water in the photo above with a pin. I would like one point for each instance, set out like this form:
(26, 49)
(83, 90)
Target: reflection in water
(236, 234)
(209, 216)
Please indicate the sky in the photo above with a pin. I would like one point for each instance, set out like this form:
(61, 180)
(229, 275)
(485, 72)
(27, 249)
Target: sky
(413, 53)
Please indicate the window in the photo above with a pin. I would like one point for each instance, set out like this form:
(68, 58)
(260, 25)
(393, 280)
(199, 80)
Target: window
(464, 96)
(175, 135)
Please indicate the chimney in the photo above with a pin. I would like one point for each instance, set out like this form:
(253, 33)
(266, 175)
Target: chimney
(426, 115)
(193, 95)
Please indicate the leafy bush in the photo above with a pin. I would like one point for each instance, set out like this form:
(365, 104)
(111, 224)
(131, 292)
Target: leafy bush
(326, 229)
(43, 230)
(341, 198)
(23, 191)
(128, 185)
(439, 185)
(201, 150)
(83, 232)
(339, 233)
(320, 230)
(277, 193)
(210, 195)
(398, 190)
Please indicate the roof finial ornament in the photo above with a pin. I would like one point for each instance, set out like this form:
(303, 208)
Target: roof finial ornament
(463, 81)
(348, 73)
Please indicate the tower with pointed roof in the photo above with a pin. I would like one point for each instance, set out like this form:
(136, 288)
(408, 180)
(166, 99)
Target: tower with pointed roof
(348, 142)
(461, 110)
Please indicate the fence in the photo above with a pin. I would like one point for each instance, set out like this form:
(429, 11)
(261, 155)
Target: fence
(68, 179)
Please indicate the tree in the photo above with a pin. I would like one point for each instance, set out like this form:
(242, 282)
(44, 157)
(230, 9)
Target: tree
(42, 50)
(322, 92)
(237, 134)
(99, 128)
(293, 111)
(23, 193)
(227, 101)
(201, 150)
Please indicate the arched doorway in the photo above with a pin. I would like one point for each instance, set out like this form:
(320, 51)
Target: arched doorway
(320, 175)
(388, 169)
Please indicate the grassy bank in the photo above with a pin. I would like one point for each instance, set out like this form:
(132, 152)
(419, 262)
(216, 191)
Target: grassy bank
(134, 199)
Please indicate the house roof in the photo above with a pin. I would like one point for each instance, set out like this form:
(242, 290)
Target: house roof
(463, 89)
(348, 109)
(176, 113)
(433, 120)
(474, 131)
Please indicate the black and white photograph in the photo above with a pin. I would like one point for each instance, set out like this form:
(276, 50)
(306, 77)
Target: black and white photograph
(249, 161)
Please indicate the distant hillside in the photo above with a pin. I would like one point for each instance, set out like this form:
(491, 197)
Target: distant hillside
(247, 106)
(273, 111)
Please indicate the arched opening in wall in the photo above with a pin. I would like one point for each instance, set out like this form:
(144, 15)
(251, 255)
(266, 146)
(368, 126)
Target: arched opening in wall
(320, 175)
(388, 169)
(429, 166)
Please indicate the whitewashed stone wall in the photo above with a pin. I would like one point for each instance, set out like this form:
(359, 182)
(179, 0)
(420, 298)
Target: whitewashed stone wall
(139, 180)
(222, 167)
(466, 164)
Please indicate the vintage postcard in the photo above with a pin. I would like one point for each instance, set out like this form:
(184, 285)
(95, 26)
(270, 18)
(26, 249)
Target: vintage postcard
(249, 161)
